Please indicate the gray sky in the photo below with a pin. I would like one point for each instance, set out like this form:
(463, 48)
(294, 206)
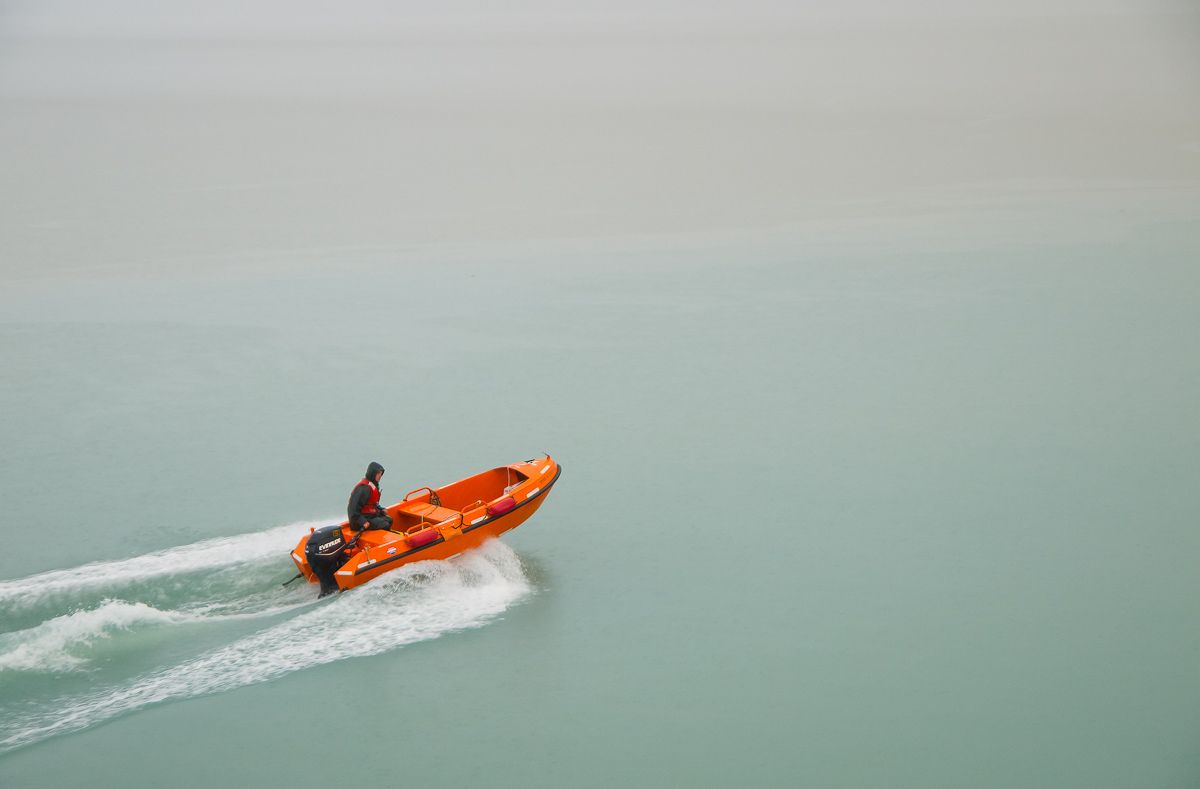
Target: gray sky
(137, 132)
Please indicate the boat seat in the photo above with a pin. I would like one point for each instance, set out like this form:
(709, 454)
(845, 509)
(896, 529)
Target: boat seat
(377, 537)
(427, 511)
(437, 514)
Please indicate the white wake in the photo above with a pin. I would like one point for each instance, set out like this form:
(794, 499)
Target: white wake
(48, 647)
(414, 603)
(109, 577)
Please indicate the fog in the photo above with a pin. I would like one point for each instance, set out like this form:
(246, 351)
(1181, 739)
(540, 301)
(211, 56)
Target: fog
(151, 135)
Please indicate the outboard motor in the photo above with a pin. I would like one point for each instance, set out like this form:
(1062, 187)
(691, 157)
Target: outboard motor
(326, 552)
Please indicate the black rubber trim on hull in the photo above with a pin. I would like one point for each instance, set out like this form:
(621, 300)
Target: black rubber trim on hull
(484, 522)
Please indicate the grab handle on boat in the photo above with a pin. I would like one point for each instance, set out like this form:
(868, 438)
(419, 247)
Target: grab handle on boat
(433, 497)
(473, 505)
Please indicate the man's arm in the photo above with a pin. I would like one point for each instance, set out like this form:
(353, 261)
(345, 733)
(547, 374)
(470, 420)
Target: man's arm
(358, 499)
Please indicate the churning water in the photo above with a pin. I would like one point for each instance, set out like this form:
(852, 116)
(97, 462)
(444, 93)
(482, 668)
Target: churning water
(102, 607)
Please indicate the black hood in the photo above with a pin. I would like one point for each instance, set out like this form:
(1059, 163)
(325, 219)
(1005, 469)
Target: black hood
(371, 469)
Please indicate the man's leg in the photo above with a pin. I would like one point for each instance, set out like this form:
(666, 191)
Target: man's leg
(379, 522)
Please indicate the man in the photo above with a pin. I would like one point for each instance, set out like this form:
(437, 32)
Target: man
(363, 509)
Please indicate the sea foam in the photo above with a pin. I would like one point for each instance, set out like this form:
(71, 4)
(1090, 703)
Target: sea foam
(414, 603)
(108, 577)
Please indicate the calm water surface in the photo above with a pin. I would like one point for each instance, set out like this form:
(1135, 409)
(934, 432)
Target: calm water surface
(904, 509)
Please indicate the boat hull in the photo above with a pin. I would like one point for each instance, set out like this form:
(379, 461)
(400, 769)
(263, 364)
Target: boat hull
(441, 523)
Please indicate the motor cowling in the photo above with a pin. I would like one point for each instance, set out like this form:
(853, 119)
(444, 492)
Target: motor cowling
(326, 553)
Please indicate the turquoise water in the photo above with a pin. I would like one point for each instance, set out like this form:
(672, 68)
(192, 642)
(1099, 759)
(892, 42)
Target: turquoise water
(865, 334)
(904, 504)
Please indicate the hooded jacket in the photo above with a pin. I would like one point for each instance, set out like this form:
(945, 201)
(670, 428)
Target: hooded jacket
(361, 498)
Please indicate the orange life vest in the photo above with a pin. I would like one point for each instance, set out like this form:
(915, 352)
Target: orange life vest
(372, 506)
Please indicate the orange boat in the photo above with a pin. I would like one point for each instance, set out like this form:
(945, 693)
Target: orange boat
(432, 523)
